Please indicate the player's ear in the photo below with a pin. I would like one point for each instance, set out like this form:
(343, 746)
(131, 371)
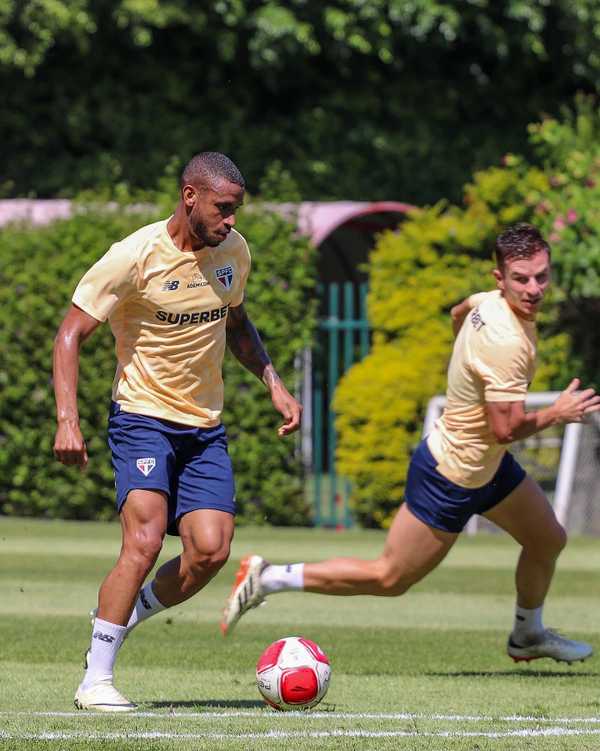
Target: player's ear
(189, 195)
(497, 274)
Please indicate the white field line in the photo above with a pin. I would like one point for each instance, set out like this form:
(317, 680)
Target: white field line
(332, 716)
(297, 734)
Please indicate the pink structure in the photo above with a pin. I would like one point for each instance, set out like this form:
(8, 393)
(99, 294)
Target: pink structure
(344, 231)
(33, 211)
(320, 219)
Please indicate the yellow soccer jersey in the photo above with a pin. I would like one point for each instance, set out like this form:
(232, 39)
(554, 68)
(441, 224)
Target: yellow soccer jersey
(493, 361)
(167, 310)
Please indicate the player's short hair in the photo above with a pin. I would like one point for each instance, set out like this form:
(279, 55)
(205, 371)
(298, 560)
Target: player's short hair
(519, 241)
(205, 167)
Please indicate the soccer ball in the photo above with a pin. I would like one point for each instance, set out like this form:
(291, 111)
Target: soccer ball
(293, 673)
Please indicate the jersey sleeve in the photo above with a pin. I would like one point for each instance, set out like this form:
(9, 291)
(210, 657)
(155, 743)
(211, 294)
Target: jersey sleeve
(244, 267)
(109, 282)
(478, 298)
(503, 366)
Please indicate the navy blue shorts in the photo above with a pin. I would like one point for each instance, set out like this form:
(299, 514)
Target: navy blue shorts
(443, 505)
(191, 465)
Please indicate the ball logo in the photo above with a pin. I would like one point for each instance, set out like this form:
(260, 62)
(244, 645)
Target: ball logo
(225, 276)
(146, 465)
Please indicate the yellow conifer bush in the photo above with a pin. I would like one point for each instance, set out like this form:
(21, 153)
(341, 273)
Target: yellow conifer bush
(439, 256)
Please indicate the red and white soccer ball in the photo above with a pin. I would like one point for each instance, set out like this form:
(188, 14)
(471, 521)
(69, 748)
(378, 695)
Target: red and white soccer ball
(293, 673)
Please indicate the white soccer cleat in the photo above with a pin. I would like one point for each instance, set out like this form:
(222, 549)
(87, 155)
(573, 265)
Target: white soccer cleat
(246, 592)
(549, 644)
(103, 697)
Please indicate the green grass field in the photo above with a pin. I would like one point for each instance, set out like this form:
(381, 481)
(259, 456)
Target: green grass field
(425, 671)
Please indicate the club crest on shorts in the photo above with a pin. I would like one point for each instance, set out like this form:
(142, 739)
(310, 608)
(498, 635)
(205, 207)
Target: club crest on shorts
(146, 465)
(225, 276)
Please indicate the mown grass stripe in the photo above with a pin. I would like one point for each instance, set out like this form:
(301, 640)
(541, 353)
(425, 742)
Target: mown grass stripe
(298, 734)
(277, 716)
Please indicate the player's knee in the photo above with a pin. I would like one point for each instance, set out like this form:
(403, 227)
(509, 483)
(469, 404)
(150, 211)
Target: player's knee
(390, 580)
(207, 560)
(143, 548)
(559, 539)
(550, 545)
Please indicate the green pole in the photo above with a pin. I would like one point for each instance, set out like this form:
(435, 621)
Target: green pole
(348, 362)
(348, 330)
(332, 380)
(317, 397)
(318, 444)
(364, 330)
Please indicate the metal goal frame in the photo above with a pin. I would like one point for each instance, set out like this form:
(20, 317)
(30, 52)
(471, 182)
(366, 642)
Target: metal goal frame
(568, 451)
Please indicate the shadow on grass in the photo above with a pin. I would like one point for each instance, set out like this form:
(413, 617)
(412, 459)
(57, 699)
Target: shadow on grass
(206, 703)
(523, 673)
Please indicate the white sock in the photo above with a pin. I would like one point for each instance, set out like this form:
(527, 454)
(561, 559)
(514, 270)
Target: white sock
(528, 623)
(282, 578)
(147, 604)
(106, 640)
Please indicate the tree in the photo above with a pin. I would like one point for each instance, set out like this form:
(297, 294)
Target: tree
(442, 254)
(390, 98)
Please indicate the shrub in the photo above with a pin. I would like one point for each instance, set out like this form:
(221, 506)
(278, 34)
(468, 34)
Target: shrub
(569, 213)
(439, 256)
(39, 270)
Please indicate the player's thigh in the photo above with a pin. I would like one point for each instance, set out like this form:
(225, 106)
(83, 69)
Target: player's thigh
(207, 533)
(413, 548)
(144, 520)
(204, 482)
(528, 517)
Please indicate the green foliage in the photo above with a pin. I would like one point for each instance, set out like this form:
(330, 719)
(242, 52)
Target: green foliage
(39, 271)
(411, 96)
(269, 473)
(569, 214)
(439, 256)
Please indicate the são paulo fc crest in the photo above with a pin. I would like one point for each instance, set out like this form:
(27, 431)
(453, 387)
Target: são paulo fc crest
(146, 465)
(225, 276)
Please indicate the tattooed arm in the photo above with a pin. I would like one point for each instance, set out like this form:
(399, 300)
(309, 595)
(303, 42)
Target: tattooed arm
(244, 342)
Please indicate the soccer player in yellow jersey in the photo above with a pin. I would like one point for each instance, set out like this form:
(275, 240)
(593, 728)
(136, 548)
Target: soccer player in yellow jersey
(173, 294)
(463, 467)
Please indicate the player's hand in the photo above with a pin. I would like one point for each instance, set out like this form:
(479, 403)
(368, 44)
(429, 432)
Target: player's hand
(69, 446)
(289, 407)
(574, 405)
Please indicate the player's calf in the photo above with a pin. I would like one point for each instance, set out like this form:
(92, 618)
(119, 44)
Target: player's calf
(200, 567)
(390, 581)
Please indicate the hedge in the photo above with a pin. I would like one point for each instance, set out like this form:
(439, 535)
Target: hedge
(438, 257)
(39, 268)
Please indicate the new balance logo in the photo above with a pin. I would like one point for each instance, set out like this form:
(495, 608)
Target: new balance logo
(169, 286)
(103, 637)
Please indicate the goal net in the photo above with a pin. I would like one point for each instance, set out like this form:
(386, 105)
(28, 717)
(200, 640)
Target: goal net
(564, 460)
